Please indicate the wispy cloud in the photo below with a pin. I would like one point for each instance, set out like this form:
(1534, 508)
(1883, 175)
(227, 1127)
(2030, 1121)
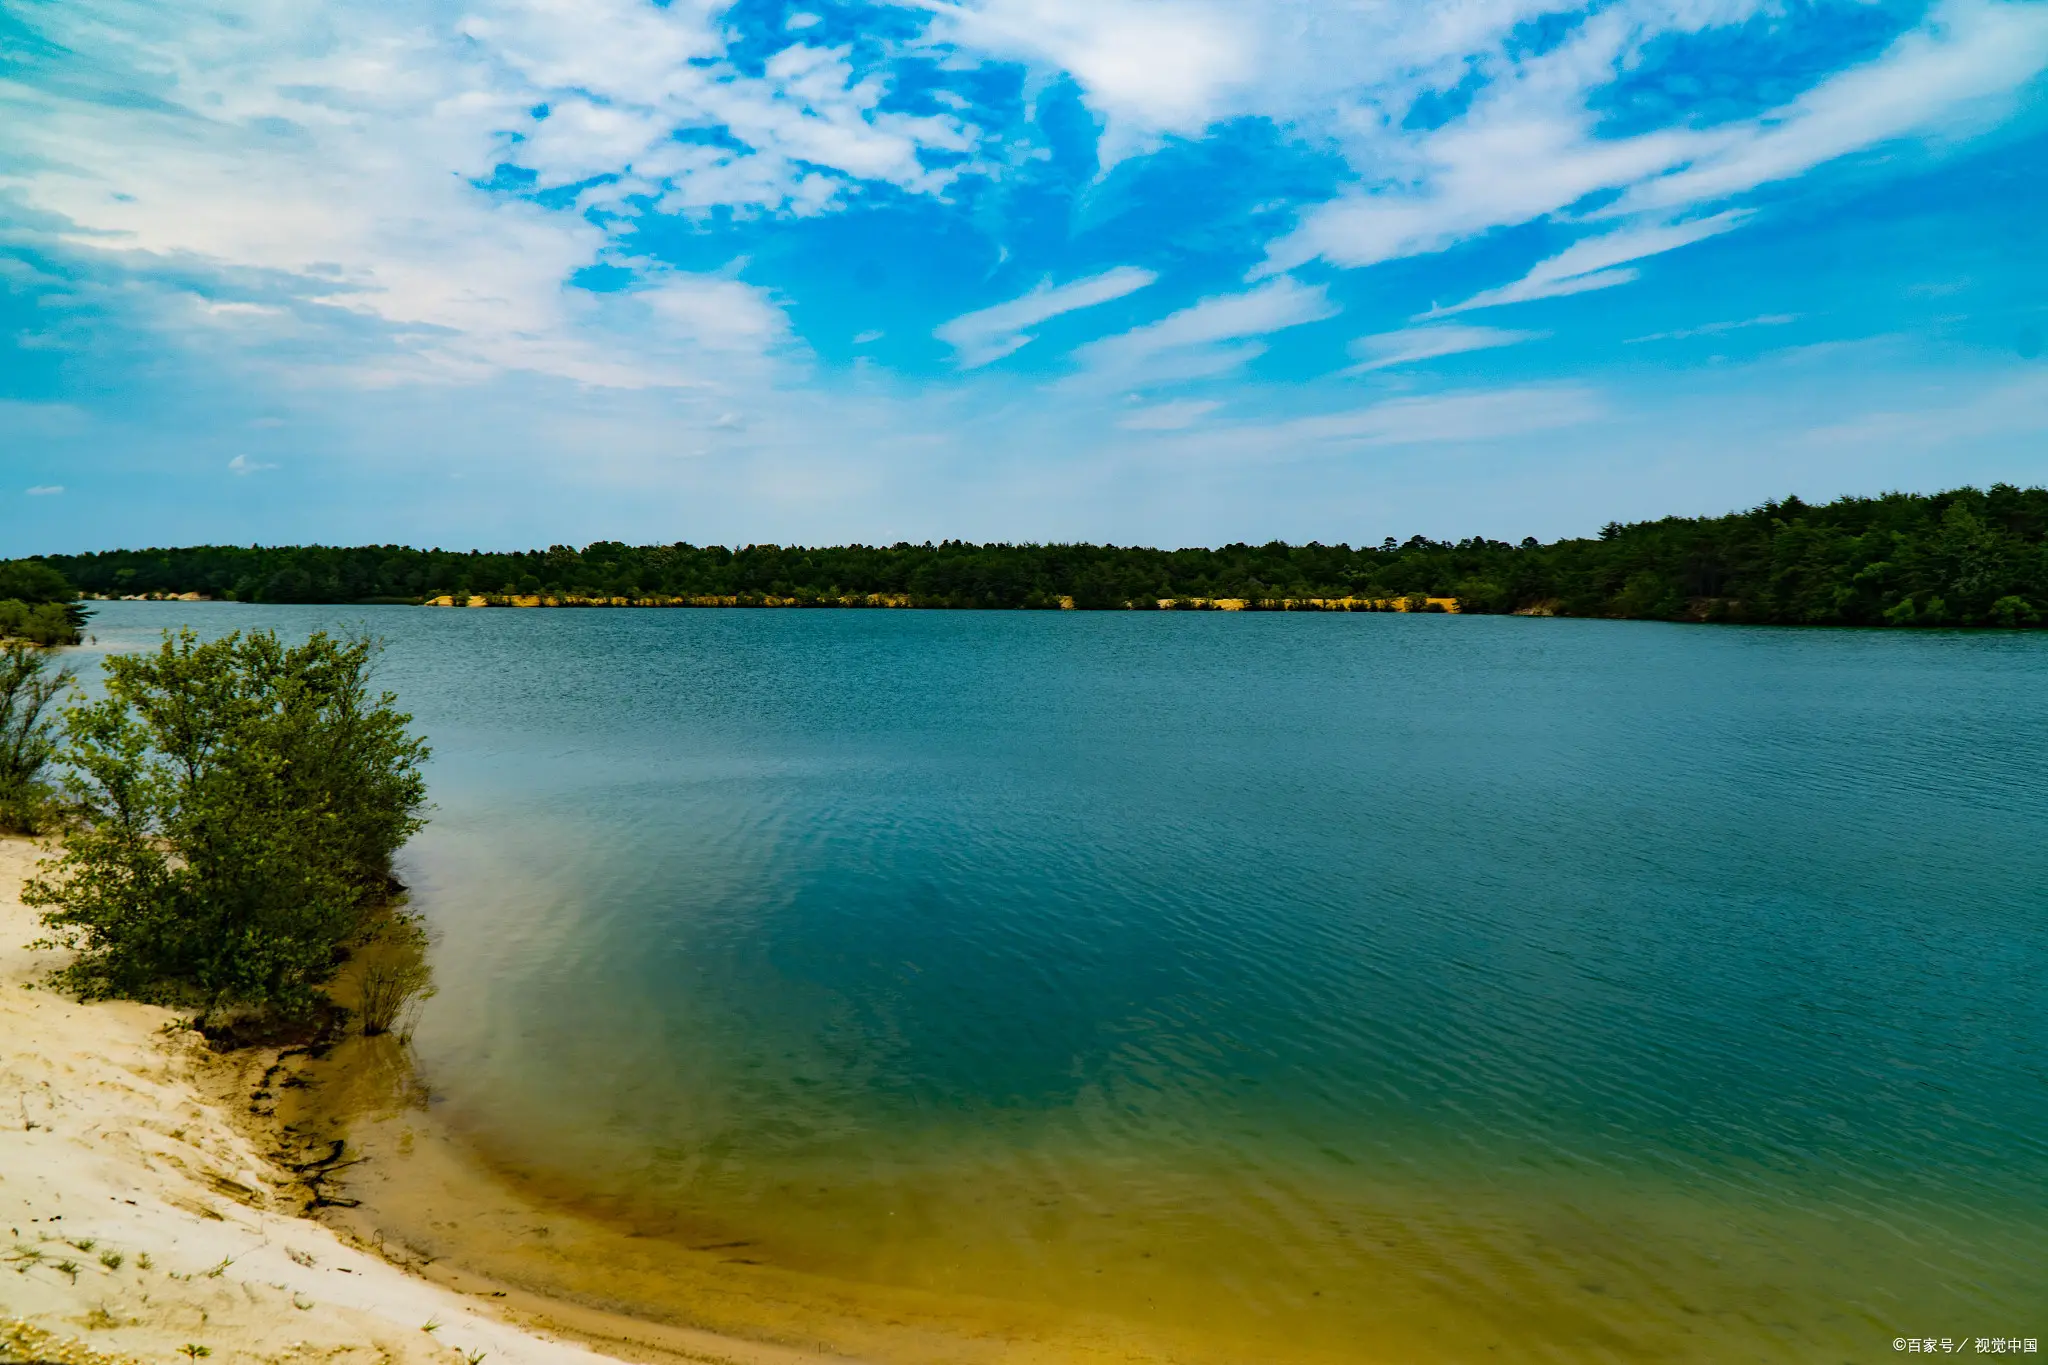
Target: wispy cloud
(46, 490)
(1456, 417)
(1459, 416)
(1413, 344)
(1597, 262)
(1175, 416)
(1967, 55)
(242, 464)
(987, 335)
(1715, 329)
(1211, 337)
(1529, 148)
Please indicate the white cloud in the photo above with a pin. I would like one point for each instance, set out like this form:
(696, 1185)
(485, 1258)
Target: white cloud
(242, 464)
(1591, 263)
(1458, 417)
(335, 160)
(1714, 329)
(621, 77)
(1969, 54)
(1175, 416)
(1466, 416)
(1341, 75)
(1211, 337)
(709, 312)
(320, 161)
(1148, 67)
(1529, 148)
(1414, 344)
(46, 490)
(989, 334)
(232, 310)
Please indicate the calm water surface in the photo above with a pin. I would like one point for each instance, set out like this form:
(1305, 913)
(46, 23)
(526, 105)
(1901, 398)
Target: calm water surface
(1317, 987)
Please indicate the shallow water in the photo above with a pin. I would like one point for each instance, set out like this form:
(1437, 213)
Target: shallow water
(1255, 987)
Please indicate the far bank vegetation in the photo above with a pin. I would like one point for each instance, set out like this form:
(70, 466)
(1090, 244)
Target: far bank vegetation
(1965, 557)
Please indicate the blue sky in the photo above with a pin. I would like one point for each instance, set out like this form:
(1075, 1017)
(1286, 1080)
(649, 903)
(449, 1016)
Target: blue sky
(1157, 271)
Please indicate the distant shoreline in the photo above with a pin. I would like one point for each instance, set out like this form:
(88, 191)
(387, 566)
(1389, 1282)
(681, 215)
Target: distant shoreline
(1964, 557)
(1416, 602)
(905, 602)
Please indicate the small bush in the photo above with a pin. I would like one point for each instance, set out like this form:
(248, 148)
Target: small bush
(38, 605)
(38, 623)
(239, 802)
(2014, 612)
(28, 740)
(394, 978)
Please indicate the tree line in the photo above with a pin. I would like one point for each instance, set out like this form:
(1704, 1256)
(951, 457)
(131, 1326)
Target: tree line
(1961, 557)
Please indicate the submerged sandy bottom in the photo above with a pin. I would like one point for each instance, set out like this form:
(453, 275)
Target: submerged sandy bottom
(1504, 1269)
(119, 1140)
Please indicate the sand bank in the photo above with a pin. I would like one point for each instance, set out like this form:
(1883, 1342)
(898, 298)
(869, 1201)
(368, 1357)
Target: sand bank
(146, 1219)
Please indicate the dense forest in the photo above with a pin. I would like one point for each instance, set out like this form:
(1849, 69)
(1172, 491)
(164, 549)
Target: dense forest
(1963, 557)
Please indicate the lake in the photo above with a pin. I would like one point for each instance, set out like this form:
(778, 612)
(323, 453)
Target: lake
(1247, 987)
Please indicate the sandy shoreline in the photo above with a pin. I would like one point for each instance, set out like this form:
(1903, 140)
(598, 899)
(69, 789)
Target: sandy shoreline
(146, 1219)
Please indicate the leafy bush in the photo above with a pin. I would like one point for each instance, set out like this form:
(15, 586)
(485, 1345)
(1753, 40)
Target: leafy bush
(27, 739)
(393, 979)
(37, 605)
(2013, 612)
(240, 802)
(40, 623)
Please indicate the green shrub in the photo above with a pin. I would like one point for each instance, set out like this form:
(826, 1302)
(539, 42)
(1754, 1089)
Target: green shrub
(38, 605)
(1478, 596)
(38, 623)
(392, 978)
(27, 739)
(239, 804)
(2013, 612)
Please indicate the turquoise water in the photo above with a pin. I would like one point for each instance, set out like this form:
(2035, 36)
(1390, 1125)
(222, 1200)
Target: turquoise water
(1571, 989)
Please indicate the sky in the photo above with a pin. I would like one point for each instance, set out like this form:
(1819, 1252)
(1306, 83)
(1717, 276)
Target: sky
(511, 273)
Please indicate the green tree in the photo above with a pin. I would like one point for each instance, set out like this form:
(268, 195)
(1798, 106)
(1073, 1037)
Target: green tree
(239, 803)
(27, 738)
(27, 580)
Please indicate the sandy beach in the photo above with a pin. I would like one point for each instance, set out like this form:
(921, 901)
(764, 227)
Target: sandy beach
(146, 1219)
